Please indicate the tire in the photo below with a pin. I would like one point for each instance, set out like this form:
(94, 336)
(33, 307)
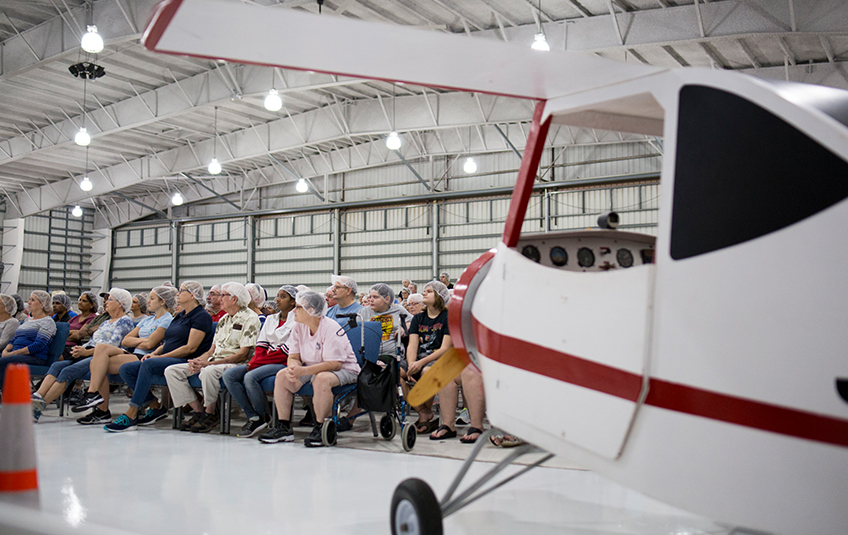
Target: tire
(388, 427)
(408, 436)
(415, 509)
(328, 432)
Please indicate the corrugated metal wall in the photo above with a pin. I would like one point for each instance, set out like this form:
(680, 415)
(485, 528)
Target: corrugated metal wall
(212, 253)
(141, 258)
(294, 250)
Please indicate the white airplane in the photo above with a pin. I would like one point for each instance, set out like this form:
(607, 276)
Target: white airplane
(701, 366)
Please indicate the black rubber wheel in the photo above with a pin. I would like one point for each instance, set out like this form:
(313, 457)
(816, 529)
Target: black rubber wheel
(328, 432)
(388, 427)
(415, 509)
(408, 436)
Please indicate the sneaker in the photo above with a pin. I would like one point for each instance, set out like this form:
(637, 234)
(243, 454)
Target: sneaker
(314, 438)
(252, 428)
(307, 420)
(75, 397)
(122, 423)
(36, 414)
(344, 425)
(153, 415)
(38, 402)
(91, 399)
(207, 423)
(95, 417)
(463, 418)
(282, 433)
(195, 417)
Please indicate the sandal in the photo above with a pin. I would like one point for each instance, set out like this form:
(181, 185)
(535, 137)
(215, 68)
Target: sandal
(449, 433)
(465, 439)
(425, 428)
(505, 440)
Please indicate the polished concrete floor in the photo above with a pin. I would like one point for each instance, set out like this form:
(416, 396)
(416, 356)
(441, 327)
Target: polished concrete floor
(156, 480)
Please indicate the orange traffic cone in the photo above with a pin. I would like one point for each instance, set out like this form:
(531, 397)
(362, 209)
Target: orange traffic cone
(18, 475)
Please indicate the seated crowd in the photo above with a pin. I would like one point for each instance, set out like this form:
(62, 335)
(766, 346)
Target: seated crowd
(234, 336)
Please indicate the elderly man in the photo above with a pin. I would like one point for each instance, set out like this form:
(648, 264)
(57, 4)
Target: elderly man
(330, 298)
(235, 339)
(445, 279)
(213, 303)
(344, 292)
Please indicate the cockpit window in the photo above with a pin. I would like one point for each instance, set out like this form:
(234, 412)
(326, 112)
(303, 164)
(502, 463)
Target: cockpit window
(741, 172)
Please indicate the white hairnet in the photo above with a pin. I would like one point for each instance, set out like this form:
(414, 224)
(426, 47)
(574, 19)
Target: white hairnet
(9, 303)
(123, 297)
(45, 299)
(195, 289)
(95, 301)
(238, 290)
(385, 292)
(440, 289)
(257, 293)
(142, 302)
(289, 289)
(303, 288)
(346, 281)
(312, 302)
(167, 294)
(20, 302)
(63, 300)
(415, 298)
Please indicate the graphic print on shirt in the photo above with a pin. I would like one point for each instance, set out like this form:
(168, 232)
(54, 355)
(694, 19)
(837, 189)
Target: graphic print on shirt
(429, 338)
(387, 324)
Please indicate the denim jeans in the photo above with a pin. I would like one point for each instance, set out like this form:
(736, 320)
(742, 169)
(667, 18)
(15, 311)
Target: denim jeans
(17, 359)
(245, 387)
(70, 371)
(138, 376)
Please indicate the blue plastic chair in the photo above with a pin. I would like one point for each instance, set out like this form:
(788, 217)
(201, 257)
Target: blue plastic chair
(54, 351)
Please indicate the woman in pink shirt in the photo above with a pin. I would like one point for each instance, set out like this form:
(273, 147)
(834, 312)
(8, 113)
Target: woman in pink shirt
(319, 353)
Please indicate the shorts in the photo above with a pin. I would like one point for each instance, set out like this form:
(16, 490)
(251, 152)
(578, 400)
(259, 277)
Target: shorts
(345, 377)
(417, 376)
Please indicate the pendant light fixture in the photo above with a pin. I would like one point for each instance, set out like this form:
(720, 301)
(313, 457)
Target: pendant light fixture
(86, 184)
(301, 186)
(273, 102)
(215, 167)
(82, 138)
(470, 165)
(393, 141)
(77, 211)
(539, 41)
(177, 199)
(91, 42)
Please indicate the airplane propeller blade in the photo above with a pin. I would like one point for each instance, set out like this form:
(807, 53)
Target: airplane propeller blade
(244, 33)
(445, 370)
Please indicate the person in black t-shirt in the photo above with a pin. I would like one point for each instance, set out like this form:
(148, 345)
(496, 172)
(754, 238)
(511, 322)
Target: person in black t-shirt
(445, 278)
(429, 339)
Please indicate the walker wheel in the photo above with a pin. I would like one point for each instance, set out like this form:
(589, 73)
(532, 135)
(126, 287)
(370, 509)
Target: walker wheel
(415, 509)
(408, 436)
(388, 427)
(328, 432)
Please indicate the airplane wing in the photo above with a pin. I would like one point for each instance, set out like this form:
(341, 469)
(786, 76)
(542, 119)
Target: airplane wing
(244, 33)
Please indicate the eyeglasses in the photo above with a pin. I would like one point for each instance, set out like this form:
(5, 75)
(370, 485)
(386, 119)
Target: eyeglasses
(214, 294)
(225, 295)
(184, 290)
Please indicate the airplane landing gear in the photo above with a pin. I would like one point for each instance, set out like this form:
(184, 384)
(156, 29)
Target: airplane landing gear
(415, 509)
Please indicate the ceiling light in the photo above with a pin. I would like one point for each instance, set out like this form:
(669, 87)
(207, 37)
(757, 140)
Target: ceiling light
(82, 138)
(393, 141)
(470, 165)
(214, 166)
(273, 102)
(86, 184)
(540, 43)
(302, 186)
(91, 41)
(177, 199)
(77, 211)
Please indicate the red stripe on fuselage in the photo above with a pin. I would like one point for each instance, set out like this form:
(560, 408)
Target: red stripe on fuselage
(663, 394)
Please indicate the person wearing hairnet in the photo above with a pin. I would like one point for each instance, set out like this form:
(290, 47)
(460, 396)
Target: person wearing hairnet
(233, 344)
(189, 336)
(213, 303)
(257, 298)
(139, 308)
(62, 307)
(110, 333)
(270, 356)
(143, 339)
(318, 354)
(22, 311)
(429, 339)
(32, 338)
(8, 323)
(344, 293)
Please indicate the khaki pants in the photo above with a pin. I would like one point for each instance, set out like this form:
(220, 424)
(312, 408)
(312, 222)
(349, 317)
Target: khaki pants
(210, 378)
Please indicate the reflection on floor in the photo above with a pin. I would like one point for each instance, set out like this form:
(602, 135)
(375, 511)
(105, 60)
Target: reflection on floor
(156, 480)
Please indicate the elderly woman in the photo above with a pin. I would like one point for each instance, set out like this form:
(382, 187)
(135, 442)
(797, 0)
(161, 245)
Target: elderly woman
(32, 338)
(8, 323)
(271, 355)
(139, 308)
(234, 341)
(62, 308)
(110, 332)
(429, 339)
(143, 339)
(188, 336)
(22, 313)
(257, 298)
(318, 354)
(88, 303)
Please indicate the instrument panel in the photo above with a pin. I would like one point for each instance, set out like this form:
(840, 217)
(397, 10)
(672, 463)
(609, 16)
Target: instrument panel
(588, 250)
